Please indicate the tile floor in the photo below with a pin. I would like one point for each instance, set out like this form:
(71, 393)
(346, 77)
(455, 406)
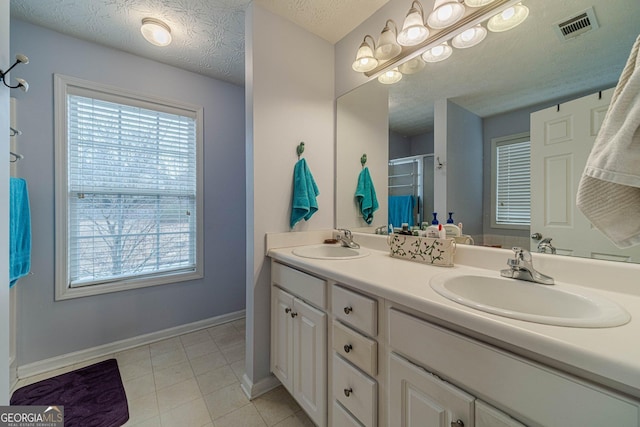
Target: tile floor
(194, 381)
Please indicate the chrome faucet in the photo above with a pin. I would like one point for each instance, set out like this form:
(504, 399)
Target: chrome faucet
(545, 246)
(383, 229)
(521, 267)
(346, 239)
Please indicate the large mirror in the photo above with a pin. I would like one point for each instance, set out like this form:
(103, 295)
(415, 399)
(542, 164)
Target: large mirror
(495, 87)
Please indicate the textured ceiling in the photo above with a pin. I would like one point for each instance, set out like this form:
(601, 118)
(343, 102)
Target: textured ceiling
(526, 66)
(523, 67)
(208, 35)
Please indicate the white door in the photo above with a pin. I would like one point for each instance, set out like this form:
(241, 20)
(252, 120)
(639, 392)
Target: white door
(282, 337)
(420, 399)
(561, 140)
(310, 360)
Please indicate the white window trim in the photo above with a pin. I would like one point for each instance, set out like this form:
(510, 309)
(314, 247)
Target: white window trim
(62, 290)
(495, 142)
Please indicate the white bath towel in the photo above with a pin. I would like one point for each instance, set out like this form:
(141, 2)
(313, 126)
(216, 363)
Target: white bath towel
(609, 190)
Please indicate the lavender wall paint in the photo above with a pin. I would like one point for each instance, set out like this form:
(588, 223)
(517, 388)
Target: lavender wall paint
(47, 328)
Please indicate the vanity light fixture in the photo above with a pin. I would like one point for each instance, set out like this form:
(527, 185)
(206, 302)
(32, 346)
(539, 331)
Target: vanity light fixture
(445, 13)
(470, 37)
(477, 3)
(390, 77)
(508, 18)
(450, 23)
(22, 83)
(413, 29)
(365, 61)
(412, 66)
(438, 53)
(156, 32)
(388, 46)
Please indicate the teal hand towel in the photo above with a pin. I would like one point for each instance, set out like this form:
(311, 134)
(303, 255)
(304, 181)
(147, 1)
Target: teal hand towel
(19, 230)
(303, 201)
(366, 196)
(401, 210)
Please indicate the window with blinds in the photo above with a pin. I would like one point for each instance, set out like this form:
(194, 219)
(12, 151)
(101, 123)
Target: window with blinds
(512, 182)
(131, 175)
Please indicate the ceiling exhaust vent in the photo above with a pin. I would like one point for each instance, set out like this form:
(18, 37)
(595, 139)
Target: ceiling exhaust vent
(576, 25)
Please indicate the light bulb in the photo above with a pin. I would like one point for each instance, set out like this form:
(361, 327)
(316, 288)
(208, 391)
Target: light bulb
(468, 34)
(508, 13)
(445, 12)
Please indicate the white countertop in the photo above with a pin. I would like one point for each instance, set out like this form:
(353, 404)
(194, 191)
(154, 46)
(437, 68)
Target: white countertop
(608, 356)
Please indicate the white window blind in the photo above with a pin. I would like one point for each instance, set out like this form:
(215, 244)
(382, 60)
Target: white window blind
(132, 189)
(513, 183)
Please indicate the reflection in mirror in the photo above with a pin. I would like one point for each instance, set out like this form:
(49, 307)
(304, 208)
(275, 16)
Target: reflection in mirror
(500, 83)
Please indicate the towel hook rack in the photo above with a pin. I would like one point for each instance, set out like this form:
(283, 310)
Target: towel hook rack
(300, 149)
(14, 132)
(16, 157)
(363, 160)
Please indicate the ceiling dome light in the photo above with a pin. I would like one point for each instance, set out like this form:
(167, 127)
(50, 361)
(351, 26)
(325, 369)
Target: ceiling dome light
(438, 53)
(365, 60)
(509, 18)
(470, 37)
(413, 31)
(477, 3)
(388, 47)
(156, 32)
(445, 13)
(412, 66)
(390, 77)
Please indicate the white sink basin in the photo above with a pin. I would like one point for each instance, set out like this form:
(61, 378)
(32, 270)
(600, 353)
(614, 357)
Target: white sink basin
(559, 305)
(329, 252)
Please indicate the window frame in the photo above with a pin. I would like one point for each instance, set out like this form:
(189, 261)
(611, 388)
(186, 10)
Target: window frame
(63, 85)
(495, 143)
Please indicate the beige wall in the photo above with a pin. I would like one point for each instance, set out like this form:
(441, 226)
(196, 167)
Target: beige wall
(289, 98)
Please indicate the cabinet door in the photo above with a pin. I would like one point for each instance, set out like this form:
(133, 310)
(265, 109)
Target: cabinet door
(418, 398)
(282, 337)
(488, 416)
(310, 360)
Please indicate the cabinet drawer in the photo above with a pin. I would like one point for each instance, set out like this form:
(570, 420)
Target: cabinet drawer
(300, 284)
(356, 348)
(533, 393)
(355, 391)
(355, 309)
(342, 417)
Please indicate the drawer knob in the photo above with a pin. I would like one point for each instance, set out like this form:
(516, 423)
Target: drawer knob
(293, 314)
(347, 348)
(287, 310)
(457, 423)
(348, 391)
(348, 310)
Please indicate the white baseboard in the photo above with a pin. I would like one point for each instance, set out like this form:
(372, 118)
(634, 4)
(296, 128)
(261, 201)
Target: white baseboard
(118, 346)
(258, 389)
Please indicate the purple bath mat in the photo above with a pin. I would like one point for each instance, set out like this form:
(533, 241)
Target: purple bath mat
(92, 396)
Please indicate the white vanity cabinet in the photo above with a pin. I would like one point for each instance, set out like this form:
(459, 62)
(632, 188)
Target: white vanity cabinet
(299, 339)
(354, 358)
(533, 394)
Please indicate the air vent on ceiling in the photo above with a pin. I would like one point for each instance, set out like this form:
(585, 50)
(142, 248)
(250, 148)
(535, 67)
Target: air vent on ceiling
(576, 25)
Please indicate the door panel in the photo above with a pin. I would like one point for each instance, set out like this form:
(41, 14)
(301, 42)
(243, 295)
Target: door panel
(561, 141)
(310, 360)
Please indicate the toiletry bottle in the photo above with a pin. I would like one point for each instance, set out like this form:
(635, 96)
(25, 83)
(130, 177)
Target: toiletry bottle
(432, 231)
(442, 234)
(435, 219)
(450, 220)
